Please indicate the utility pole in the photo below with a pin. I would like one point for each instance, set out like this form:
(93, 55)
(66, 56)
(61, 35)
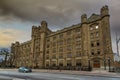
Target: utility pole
(117, 42)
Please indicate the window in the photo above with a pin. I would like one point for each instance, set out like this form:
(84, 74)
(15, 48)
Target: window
(54, 38)
(98, 52)
(97, 27)
(69, 33)
(69, 40)
(92, 44)
(54, 57)
(69, 48)
(54, 44)
(61, 36)
(78, 38)
(47, 64)
(91, 28)
(69, 55)
(97, 34)
(78, 62)
(48, 46)
(47, 57)
(61, 55)
(48, 52)
(60, 42)
(98, 44)
(61, 64)
(91, 35)
(53, 63)
(48, 40)
(69, 63)
(77, 30)
(61, 49)
(78, 46)
(54, 50)
(92, 53)
(78, 54)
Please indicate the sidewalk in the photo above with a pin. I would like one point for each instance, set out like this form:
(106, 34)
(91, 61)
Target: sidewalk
(101, 73)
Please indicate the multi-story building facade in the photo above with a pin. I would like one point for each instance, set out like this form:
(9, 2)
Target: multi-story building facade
(85, 44)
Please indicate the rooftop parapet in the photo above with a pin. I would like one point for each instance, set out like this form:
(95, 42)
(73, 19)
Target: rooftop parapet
(83, 18)
(104, 10)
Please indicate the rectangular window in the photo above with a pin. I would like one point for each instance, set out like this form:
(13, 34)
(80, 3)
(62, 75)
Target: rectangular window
(54, 44)
(78, 30)
(54, 50)
(97, 27)
(92, 44)
(69, 41)
(97, 34)
(78, 54)
(61, 36)
(54, 38)
(78, 39)
(48, 40)
(60, 42)
(53, 63)
(91, 35)
(61, 49)
(47, 51)
(69, 55)
(92, 52)
(61, 55)
(69, 33)
(69, 63)
(48, 46)
(91, 28)
(78, 46)
(69, 48)
(98, 44)
(54, 57)
(47, 57)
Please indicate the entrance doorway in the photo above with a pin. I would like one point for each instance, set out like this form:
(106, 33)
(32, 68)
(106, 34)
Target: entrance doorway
(96, 64)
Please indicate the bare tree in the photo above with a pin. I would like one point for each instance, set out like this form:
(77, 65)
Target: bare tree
(5, 53)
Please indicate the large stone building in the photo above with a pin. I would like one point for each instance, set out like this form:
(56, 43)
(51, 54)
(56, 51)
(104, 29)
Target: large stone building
(85, 44)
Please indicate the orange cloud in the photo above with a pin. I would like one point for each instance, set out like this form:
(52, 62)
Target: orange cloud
(7, 36)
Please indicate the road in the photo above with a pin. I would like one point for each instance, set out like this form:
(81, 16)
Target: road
(36, 75)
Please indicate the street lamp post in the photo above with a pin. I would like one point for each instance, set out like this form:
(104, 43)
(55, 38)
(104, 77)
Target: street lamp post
(117, 42)
(104, 64)
(64, 63)
(109, 63)
(89, 67)
(57, 64)
(51, 64)
(73, 63)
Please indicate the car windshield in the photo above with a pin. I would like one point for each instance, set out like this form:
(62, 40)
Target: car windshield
(23, 67)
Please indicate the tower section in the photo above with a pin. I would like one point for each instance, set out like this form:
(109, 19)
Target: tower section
(105, 25)
(84, 39)
(43, 33)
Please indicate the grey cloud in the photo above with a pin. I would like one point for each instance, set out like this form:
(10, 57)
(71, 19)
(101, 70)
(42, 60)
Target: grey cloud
(56, 12)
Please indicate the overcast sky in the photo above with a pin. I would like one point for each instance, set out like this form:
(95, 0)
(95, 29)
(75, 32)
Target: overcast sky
(17, 16)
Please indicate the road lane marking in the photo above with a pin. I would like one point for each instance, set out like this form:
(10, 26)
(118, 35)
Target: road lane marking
(18, 79)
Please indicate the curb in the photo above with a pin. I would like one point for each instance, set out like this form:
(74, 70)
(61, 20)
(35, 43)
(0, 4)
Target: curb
(84, 74)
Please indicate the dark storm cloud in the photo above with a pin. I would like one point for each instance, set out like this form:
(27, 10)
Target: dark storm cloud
(56, 12)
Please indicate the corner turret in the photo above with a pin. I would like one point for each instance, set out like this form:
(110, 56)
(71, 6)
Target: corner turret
(104, 10)
(44, 26)
(83, 18)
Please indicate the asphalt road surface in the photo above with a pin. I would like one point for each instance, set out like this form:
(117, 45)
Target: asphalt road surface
(35, 75)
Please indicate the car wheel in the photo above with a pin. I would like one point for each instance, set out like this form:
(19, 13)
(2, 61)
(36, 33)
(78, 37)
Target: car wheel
(24, 71)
